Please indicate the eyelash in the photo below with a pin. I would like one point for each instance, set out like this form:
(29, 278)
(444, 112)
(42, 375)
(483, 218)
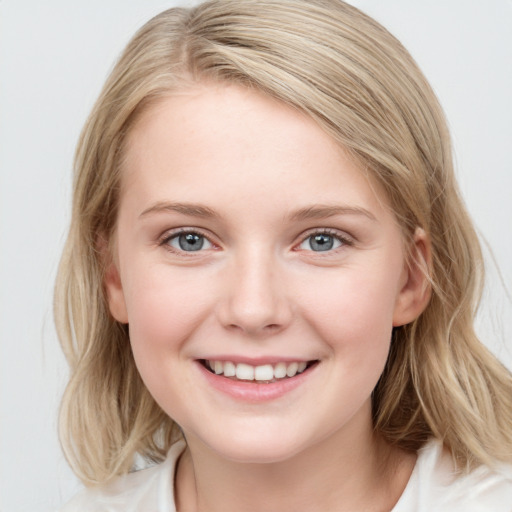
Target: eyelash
(345, 241)
(164, 241)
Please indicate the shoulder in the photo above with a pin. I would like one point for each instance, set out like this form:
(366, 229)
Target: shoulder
(436, 486)
(147, 490)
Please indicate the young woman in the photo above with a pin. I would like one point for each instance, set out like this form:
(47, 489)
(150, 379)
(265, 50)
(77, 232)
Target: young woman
(270, 280)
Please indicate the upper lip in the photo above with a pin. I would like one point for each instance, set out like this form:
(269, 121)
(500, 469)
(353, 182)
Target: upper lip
(256, 361)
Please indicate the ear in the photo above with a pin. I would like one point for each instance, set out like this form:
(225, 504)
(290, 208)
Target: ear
(416, 290)
(112, 282)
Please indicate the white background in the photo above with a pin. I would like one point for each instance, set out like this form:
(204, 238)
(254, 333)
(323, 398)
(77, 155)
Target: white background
(54, 57)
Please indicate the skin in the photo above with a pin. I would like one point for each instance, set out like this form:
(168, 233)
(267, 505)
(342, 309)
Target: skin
(257, 180)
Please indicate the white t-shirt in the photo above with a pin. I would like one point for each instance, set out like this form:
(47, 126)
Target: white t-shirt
(433, 487)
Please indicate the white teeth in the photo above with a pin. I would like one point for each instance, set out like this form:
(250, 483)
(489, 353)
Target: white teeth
(218, 367)
(292, 369)
(244, 371)
(280, 370)
(229, 369)
(263, 373)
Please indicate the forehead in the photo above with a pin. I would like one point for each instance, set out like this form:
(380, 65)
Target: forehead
(216, 139)
(212, 116)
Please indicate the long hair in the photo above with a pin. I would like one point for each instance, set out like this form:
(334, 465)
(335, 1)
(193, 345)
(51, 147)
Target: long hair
(340, 67)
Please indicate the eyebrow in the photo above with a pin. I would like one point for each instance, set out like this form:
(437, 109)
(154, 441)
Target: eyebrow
(326, 211)
(307, 213)
(191, 209)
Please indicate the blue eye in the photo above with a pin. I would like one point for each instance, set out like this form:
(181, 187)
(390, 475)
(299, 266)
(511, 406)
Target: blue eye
(321, 242)
(189, 242)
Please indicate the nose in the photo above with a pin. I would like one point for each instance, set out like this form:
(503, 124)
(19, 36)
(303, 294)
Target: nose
(255, 300)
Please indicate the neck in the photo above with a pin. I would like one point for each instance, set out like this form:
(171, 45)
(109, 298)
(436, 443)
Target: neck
(338, 474)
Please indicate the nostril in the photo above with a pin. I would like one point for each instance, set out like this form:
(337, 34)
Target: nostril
(267, 328)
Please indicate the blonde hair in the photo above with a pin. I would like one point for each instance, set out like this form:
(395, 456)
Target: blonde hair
(347, 72)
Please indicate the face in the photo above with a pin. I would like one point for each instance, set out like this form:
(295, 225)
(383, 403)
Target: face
(260, 273)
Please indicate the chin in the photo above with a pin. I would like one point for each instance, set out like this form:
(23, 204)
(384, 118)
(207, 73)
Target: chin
(260, 446)
(255, 454)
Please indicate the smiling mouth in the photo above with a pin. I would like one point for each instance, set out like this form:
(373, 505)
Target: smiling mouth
(263, 374)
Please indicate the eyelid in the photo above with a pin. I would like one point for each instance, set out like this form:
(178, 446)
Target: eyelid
(342, 236)
(163, 240)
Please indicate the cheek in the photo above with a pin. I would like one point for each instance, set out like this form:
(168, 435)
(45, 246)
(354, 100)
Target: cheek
(164, 308)
(353, 301)
(164, 312)
(358, 333)
(354, 317)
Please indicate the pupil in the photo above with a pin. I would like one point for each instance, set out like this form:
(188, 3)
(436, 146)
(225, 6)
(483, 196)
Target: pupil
(322, 242)
(191, 242)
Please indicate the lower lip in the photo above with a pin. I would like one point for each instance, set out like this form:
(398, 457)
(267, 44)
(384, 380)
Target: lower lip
(251, 391)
